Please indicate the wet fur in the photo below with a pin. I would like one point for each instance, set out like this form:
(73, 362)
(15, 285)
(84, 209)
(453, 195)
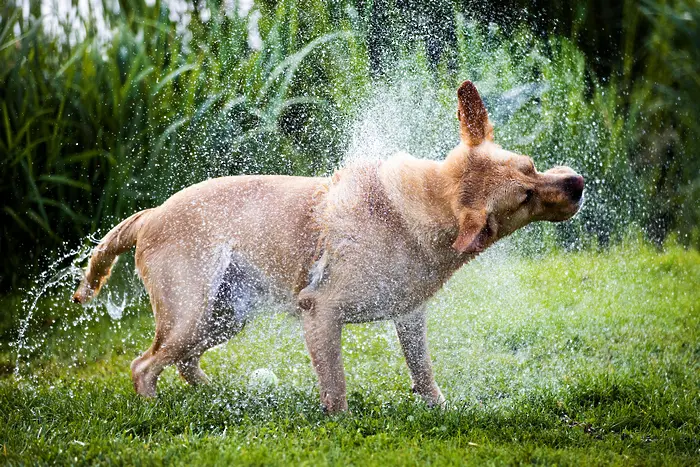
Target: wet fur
(373, 242)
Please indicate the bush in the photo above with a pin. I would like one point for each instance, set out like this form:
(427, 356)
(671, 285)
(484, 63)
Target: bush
(97, 125)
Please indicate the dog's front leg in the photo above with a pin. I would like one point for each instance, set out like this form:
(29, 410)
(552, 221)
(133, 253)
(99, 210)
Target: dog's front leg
(322, 333)
(412, 332)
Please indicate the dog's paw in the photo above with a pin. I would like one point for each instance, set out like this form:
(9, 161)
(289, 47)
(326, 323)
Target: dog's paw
(334, 406)
(438, 401)
(432, 398)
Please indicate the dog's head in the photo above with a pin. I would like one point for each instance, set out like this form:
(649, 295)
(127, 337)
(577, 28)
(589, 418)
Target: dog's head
(495, 192)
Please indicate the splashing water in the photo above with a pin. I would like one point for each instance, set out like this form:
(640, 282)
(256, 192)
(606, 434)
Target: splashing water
(115, 309)
(53, 289)
(409, 112)
(52, 278)
(409, 115)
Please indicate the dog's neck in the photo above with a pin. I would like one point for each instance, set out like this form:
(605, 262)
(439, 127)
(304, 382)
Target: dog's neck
(419, 190)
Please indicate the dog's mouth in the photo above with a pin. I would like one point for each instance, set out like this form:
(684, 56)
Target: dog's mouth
(565, 211)
(575, 207)
(580, 203)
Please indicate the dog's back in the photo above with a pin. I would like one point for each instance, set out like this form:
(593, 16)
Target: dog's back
(266, 219)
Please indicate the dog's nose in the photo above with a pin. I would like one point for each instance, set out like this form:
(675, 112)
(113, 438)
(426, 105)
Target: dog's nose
(573, 186)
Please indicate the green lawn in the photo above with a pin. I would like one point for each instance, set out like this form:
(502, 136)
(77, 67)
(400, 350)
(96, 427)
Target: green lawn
(574, 358)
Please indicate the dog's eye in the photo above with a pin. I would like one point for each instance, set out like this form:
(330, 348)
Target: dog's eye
(528, 196)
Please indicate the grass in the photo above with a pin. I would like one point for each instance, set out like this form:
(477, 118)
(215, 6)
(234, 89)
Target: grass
(572, 358)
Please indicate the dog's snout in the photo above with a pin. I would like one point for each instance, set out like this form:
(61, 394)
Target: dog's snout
(573, 186)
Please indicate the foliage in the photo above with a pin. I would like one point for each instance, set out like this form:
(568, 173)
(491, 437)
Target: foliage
(99, 125)
(568, 358)
(94, 130)
(663, 102)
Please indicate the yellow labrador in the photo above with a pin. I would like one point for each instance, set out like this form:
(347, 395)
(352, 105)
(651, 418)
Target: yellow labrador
(373, 242)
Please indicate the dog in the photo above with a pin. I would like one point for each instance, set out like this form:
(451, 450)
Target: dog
(373, 242)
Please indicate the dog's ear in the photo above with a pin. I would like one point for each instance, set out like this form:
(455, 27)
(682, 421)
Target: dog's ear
(474, 232)
(474, 125)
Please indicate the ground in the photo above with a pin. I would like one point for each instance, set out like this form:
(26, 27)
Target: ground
(571, 358)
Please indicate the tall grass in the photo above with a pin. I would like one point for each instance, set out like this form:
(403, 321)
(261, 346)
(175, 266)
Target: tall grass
(664, 103)
(93, 130)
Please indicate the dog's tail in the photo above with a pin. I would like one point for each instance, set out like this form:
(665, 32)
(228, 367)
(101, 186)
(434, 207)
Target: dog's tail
(120, 239)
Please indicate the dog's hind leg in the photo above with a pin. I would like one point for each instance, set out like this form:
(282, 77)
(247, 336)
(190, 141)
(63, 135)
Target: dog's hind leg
(209, 336)
(172, 343)
(178, 301)
(234, 291)
(190, 371)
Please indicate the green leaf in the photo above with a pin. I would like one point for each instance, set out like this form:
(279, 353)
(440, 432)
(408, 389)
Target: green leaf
(171, 76)
(63, 180)
(18, 220)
